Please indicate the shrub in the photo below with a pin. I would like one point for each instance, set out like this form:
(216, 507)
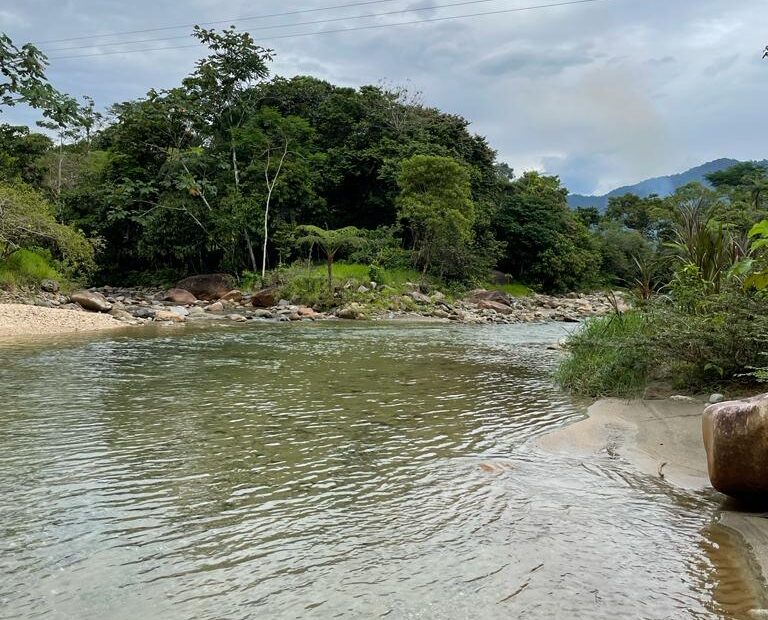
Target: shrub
(607, 356)
(25, 267)
(719, 340)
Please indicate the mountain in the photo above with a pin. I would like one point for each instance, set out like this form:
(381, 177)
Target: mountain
(663, 186)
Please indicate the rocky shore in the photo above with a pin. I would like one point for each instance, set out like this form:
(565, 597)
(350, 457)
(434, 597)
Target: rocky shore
(137, 306)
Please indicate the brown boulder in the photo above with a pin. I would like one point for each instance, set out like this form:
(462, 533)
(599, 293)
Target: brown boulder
(169, 316)
(494, 305)
(90, 300)
(736, 442)
(265, 298)
(498, 297)
(208, 285)
(233, 295)
(306, 311)
(180, 296)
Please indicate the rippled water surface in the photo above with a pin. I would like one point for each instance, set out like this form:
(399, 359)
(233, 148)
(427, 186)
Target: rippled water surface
(324, 471)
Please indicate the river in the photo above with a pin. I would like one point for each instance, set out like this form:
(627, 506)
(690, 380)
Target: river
(327, 470)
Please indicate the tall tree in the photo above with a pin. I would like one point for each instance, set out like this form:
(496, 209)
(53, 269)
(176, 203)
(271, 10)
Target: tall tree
(436, 203)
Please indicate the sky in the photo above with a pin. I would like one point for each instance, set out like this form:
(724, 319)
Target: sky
(602, 93)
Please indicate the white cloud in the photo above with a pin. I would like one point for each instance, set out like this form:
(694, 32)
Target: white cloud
(602, 94)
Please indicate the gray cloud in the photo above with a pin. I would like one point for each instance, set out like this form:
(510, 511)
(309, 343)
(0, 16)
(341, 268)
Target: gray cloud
(602, 94)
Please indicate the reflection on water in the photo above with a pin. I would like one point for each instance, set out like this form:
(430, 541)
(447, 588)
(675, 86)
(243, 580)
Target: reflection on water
(324, 471)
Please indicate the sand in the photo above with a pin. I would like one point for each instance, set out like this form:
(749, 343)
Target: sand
(660, 437)
(21, 321)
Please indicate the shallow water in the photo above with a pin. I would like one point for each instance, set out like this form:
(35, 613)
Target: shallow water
(328, 470)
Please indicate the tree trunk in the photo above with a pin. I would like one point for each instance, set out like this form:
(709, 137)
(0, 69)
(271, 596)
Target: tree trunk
(330, 271)
(251, 255)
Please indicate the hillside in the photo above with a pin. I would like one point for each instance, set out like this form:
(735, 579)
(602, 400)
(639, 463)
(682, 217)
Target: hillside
(663, 186)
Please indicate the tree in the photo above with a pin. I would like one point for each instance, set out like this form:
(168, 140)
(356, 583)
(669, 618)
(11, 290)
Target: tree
(27, 221)
(436, 202)
(330, 242)
(546, 243)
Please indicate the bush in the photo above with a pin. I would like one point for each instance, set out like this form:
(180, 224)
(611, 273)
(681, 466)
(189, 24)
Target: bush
(719, 341)
(608, 356)
(28, 221)
(25, 267)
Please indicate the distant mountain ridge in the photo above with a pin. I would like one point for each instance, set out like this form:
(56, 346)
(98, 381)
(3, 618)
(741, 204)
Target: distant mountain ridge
(663, 186)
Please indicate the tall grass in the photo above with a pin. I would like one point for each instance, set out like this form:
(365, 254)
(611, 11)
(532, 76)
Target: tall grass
(608, 356)
(513, 289)
(25, 267)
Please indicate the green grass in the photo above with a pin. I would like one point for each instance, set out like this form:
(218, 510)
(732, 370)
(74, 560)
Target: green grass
(513, 289)
(25, 267)
(343, 271)
(608, 356)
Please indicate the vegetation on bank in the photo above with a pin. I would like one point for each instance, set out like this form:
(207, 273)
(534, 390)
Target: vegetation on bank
(701, 314)
(228, 171)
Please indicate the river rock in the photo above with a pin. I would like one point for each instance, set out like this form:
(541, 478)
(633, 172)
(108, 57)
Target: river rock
(143, 313)
(180, 296)
(169, 316)
(306, 311)
(736, 442)
(49, 286)
(234, 296)
(90, 300)
(353, 311)
(239, 318)
(487, 304)
(265, 298)
(716, 398)
(480, 294)
(419, 297)
(121, 315)
(207, 286)
(216, 307)
(262, 313)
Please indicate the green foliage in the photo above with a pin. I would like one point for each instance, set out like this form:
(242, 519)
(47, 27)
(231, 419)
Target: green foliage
(27, 221)
(716, 340)
(25, 267)
(330, 242)
(513, 289)
(436, 202)
(546, 243)
(608, 356)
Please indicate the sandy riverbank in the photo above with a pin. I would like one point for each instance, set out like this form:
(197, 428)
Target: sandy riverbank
(659, 437)
(21, 321)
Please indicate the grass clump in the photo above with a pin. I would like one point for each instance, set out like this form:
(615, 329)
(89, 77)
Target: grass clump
(513, 289)
(714, 344)
(25, 267)
(608, 356)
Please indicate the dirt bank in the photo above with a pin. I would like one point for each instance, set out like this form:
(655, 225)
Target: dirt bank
(660, 438)
(21, 321)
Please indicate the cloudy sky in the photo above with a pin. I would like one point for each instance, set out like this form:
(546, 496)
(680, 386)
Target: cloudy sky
(603, 93)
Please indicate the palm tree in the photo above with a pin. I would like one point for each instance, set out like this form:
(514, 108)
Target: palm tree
(330, 242)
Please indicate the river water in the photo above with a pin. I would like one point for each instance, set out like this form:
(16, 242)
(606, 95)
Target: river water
(325, 471)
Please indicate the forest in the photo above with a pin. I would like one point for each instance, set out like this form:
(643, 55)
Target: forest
(221, 172)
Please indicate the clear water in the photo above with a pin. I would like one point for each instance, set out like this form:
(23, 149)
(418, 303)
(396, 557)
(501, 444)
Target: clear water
(325, 471)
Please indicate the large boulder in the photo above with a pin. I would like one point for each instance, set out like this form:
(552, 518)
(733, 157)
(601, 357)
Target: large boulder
(91, 300)
(736, 441)
(207, 286)
(487, 304)
(233, 296)
(180, 296)
(265, 298)
(498, 297)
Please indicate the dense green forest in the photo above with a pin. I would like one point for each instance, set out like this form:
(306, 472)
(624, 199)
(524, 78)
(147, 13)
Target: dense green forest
(222, 172)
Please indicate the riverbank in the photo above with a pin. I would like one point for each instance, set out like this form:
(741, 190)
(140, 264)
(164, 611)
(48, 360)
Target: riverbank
(141, 305)
(19, 321)
(660, 438)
